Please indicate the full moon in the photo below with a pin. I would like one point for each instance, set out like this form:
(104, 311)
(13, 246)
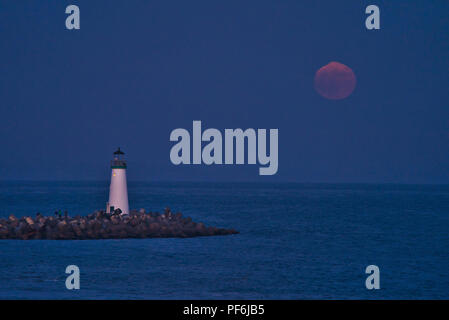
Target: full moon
(335, 81)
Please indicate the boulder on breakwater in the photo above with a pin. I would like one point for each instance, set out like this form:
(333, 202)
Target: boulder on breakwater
(101, 225)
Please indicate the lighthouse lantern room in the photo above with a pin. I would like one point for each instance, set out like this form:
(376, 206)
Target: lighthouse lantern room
(118, 191)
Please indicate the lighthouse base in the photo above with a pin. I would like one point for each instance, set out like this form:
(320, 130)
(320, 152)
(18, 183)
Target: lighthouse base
(100, 225)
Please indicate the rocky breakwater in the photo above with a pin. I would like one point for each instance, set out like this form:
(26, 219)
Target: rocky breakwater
(99, 225)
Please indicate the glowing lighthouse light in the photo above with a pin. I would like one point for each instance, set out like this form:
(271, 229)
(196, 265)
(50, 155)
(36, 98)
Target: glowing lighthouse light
(118, 191)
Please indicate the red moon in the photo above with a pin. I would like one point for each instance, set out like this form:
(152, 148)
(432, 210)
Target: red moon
(335, 81)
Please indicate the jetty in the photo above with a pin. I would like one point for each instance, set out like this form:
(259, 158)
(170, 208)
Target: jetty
(102, 225)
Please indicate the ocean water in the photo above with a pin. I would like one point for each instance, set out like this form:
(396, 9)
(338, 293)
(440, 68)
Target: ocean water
(296, 241)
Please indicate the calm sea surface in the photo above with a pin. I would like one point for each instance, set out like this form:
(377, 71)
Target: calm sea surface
(297, 241)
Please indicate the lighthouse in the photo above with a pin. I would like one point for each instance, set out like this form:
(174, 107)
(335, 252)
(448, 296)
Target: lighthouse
(118, 191)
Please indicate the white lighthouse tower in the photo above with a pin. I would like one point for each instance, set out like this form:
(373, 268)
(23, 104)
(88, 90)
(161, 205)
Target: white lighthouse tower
(118, 191)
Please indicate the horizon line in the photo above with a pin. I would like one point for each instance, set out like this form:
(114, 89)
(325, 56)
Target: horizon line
(236, 182)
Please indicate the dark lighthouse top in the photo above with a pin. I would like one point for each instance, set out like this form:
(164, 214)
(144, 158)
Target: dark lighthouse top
(118, 162)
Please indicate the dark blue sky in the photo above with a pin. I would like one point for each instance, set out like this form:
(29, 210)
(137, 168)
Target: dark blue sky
(139, 69)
